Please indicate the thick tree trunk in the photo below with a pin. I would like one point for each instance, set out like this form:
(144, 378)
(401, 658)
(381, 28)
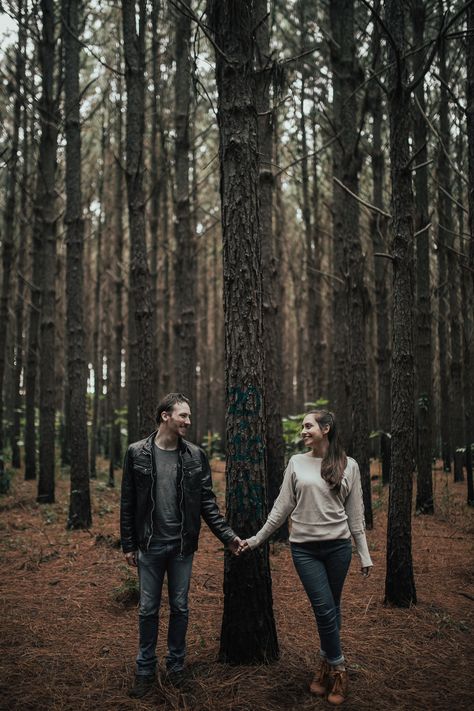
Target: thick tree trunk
(424, 372)
(140, 286)
(347, 163)
(185, 339)
(248, 628)
(79, 503)
(399, 581)
(46, 223)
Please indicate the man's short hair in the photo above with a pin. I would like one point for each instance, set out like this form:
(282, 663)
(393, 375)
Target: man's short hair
(167, 403)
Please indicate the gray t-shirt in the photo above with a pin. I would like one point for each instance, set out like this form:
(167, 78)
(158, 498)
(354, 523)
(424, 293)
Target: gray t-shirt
(166, 516)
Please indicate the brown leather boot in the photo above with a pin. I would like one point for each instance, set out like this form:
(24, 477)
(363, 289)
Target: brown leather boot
(338, 683)
(320, 680)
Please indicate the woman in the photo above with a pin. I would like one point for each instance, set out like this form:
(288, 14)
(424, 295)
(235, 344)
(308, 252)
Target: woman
(321, 490)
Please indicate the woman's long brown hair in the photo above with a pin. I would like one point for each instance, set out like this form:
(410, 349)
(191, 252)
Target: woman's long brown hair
(335, 461)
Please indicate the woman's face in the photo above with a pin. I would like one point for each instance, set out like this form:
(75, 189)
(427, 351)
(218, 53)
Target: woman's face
(311, 433)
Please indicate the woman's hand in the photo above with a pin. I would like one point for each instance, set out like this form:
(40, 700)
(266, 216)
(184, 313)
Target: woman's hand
(244, 547)
(366, 571)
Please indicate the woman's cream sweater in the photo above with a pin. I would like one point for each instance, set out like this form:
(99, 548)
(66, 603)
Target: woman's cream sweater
(318, 513)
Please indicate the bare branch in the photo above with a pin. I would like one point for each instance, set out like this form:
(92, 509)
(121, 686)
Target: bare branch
(363, 202)
(182, 7)
(436, 133)
(384, 255)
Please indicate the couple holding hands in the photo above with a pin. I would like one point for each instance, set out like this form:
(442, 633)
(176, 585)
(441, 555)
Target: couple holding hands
(167, 488)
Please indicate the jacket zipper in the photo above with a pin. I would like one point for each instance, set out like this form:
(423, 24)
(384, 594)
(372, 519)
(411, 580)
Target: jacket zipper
(181, 502)
(152, 501)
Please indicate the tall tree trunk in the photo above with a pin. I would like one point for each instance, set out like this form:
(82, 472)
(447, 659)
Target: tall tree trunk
(447, 243)
(140, 286)
(25, 217)
(445, 224)
(8, 236)
(378, 232)
(270, 267)
(399, 581)
(165, 349)
(156, 176)
(46, 215)
(314, 256)
(287, 342)
(248, 628)
(96, 360)
(469, 276)
(346, 235)
(79, 503)
(116, 375)
(185, 340)
(424, 374)
(341, 390)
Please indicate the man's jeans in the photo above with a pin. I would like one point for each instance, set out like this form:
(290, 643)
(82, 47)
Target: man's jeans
(322, 567)
(163, 558)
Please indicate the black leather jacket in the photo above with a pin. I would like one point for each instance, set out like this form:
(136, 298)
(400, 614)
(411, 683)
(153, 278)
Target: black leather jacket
(195, 497)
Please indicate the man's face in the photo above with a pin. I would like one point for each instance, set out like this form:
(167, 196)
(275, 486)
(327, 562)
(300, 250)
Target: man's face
(178, 420)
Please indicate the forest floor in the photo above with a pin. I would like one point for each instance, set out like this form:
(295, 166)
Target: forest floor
(68, 642)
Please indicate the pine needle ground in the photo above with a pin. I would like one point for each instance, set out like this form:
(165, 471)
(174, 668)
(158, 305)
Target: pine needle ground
(69, 621)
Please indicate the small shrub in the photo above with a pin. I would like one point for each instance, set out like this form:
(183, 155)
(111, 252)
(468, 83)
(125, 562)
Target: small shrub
(127, 593)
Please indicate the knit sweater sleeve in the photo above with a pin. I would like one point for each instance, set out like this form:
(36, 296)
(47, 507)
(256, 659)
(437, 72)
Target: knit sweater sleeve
(283, 506)
(354, 506)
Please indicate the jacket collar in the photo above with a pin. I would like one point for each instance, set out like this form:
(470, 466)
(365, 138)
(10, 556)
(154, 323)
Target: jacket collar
(148, 445)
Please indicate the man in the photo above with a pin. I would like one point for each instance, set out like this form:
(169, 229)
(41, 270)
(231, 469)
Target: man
(166, 488)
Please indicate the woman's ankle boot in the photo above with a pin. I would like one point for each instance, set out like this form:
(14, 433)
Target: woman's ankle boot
(338, 684)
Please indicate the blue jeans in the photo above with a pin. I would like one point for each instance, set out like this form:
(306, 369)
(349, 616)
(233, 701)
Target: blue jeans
(159, 559)
(322, 567)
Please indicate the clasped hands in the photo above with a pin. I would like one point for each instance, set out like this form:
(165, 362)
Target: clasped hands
(238, 546)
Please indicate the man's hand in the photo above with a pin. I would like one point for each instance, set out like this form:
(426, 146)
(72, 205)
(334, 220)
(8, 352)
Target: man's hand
(366, 571)
(244, 547)
(235, 546)
(131, 558)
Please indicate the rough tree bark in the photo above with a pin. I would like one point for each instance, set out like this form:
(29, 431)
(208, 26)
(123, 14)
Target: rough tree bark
(140, 285)
(248, 628)
(399, 581)
(46, 224)
(79, 504)
(423, 353)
